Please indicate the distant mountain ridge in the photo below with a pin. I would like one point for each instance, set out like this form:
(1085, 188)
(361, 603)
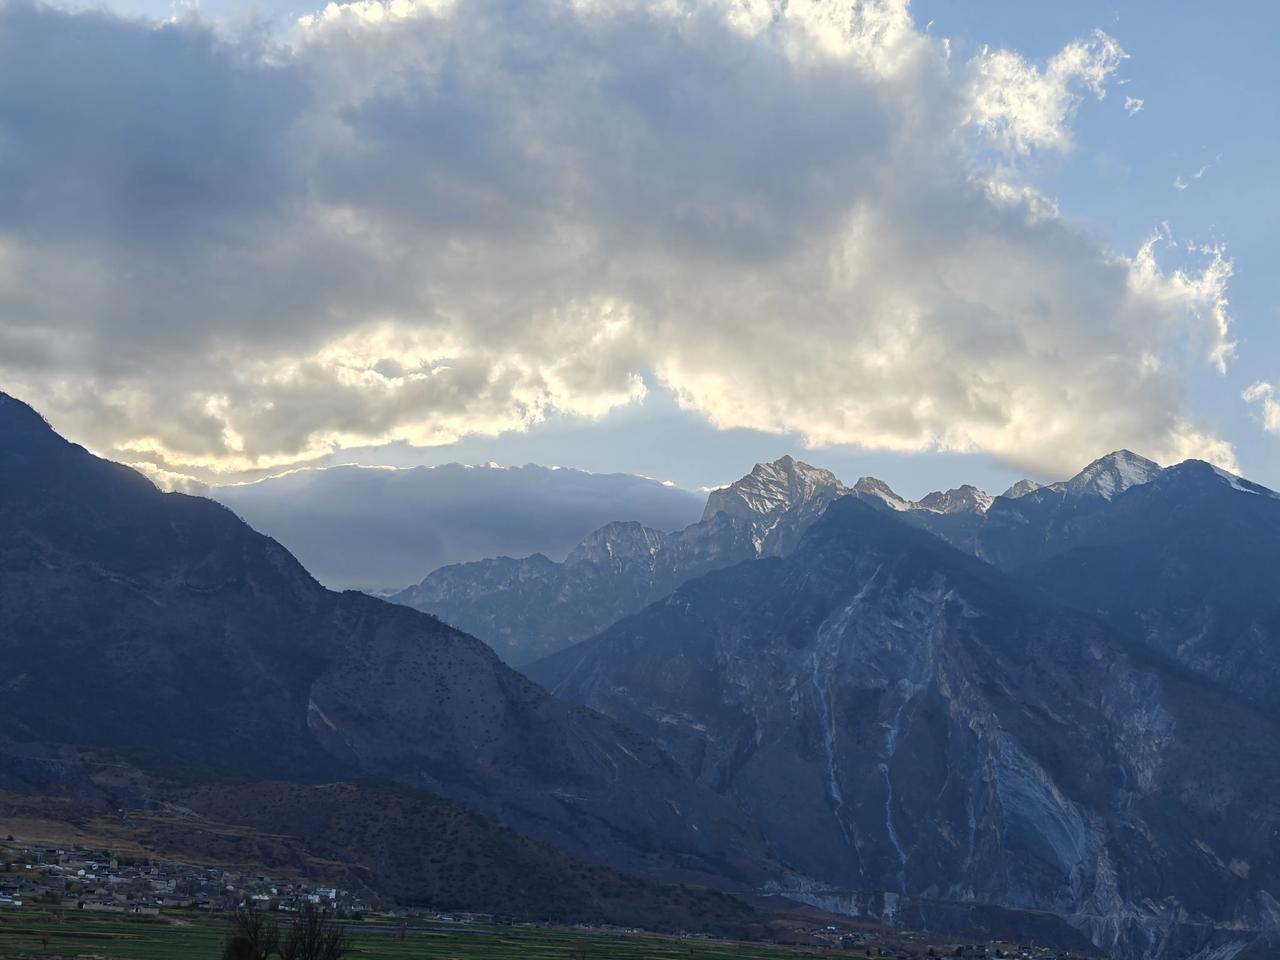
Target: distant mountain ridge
(531, 607)
(373, 528)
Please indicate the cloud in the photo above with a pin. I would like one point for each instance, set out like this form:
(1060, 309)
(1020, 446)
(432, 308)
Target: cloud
(419, 220)
(1134, 105)
(1019, 106)
(1263, 395)
(1181, 183)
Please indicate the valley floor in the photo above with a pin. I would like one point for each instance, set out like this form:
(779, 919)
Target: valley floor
(189, 935)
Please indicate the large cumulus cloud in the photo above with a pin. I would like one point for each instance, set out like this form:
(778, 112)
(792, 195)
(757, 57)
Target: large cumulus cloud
(416, 220)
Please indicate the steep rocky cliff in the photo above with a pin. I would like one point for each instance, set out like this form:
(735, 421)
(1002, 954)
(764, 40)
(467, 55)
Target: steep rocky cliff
(899, 716)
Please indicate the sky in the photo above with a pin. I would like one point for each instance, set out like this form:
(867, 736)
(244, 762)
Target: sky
(936, 243)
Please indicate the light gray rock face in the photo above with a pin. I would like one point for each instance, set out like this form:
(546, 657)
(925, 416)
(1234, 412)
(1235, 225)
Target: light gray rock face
(528, 608)
(964, 499)
(900, 717)
(869, 488)
(1109, 476)
(1020, 489)
(779, 500)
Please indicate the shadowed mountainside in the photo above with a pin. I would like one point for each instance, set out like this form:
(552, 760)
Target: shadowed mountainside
(160, 628)
(900, 716)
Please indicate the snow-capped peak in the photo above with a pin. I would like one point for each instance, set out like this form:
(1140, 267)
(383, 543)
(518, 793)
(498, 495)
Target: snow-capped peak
(1113, 474)
(871, 487)
(963, 499)
(772, 488)
(1021, 489)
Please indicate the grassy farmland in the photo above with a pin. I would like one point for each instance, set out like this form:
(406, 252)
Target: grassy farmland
(193, 937)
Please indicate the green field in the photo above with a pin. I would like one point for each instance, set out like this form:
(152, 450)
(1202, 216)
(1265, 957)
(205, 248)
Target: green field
(179, 936)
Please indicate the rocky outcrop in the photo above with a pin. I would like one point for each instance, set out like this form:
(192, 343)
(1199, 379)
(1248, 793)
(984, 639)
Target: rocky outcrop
(778, 501)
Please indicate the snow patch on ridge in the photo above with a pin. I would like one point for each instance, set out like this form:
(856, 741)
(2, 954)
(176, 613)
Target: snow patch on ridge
(1109, 476)
(963, 499)
(871, 487)
(771, 489)
(1021, 489)
(1244, 486)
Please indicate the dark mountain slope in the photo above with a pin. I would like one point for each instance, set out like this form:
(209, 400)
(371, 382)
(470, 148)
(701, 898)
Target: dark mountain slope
(1189, 562)
(898, 715)
(424, 851)
(533, 606)
(1185, 558)
(160, 627)
(393, 846)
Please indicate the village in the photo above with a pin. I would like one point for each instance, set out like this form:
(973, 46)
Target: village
(88, 881)
(100, 881)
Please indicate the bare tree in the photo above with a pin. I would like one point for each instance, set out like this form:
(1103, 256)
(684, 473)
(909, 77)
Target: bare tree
(315, 935)
(253, 936)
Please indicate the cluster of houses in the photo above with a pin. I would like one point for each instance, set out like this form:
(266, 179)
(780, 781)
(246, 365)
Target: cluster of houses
(906, 945)
(96, 880)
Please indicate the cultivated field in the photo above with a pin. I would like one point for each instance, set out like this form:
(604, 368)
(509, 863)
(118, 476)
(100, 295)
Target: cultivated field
(194, 937)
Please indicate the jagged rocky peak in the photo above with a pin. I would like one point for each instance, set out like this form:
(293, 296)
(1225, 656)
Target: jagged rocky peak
(617, 540)
(772, 488)
(1021, 489)
(963, 499)
(879, 490)
(1113, 474)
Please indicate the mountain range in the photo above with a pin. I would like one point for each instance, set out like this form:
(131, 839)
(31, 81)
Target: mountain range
(531, 607)
(374, 528)
(900, 716)
(160, 633)
(1052, 709)
(534, 606)
(1057, 698)
(1185, 558)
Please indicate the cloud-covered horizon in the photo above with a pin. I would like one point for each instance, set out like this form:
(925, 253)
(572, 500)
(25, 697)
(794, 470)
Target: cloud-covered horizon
(223, 254)
(377, 528)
